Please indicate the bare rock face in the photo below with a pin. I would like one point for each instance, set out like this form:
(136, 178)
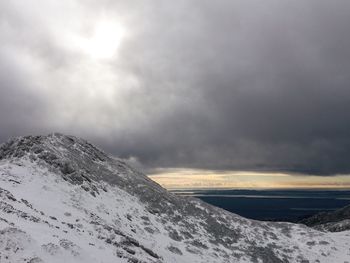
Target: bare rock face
(63, 199)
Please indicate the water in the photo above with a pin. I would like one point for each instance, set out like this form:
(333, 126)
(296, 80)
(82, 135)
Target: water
(281, 205)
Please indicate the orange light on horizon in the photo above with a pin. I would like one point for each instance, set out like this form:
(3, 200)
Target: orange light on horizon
(196, 178)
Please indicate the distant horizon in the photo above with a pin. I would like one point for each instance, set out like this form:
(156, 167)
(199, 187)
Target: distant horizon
(260, 189)
(184, 178)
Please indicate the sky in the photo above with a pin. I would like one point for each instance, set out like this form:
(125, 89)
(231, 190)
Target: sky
(184, 178)
(215, 87)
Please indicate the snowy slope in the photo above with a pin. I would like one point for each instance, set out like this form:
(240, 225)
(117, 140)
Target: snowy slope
(64, 200)
(334, 221)
(339, 226)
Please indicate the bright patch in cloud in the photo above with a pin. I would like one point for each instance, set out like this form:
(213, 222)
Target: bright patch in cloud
(104, 40)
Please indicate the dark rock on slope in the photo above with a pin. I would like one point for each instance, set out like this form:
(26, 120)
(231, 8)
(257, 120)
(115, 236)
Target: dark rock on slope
(334, 221)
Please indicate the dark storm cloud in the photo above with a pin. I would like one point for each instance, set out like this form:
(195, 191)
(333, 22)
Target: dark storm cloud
(20, 109)
(245, 85)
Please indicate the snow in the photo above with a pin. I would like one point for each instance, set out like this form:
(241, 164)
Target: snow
(62, 199)
(47, 218)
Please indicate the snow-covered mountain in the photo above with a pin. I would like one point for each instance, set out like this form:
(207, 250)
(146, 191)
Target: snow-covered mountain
(64, 200)
(334, 221)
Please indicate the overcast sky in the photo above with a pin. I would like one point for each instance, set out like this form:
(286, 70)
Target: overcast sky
(227, 84)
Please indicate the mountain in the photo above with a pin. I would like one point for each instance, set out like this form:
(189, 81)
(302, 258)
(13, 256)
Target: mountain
(335, 221)
(64, 200)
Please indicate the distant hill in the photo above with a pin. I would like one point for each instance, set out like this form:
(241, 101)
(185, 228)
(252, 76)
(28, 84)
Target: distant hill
(334, 221)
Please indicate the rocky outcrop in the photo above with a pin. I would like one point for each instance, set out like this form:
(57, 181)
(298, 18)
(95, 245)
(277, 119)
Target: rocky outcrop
(335, 221)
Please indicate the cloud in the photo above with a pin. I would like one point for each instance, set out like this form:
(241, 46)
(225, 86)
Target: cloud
(230, 85)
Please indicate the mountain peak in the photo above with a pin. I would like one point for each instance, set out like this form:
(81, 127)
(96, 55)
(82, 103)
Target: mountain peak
(76, 160)
(55, 143)
(57, 151)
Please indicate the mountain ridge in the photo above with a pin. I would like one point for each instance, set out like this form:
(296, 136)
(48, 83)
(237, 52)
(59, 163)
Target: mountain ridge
(334, 221)
(127, 217)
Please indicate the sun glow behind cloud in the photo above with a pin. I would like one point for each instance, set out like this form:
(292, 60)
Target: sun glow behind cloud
(76, 59)
(196, 178)
(104, 41)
